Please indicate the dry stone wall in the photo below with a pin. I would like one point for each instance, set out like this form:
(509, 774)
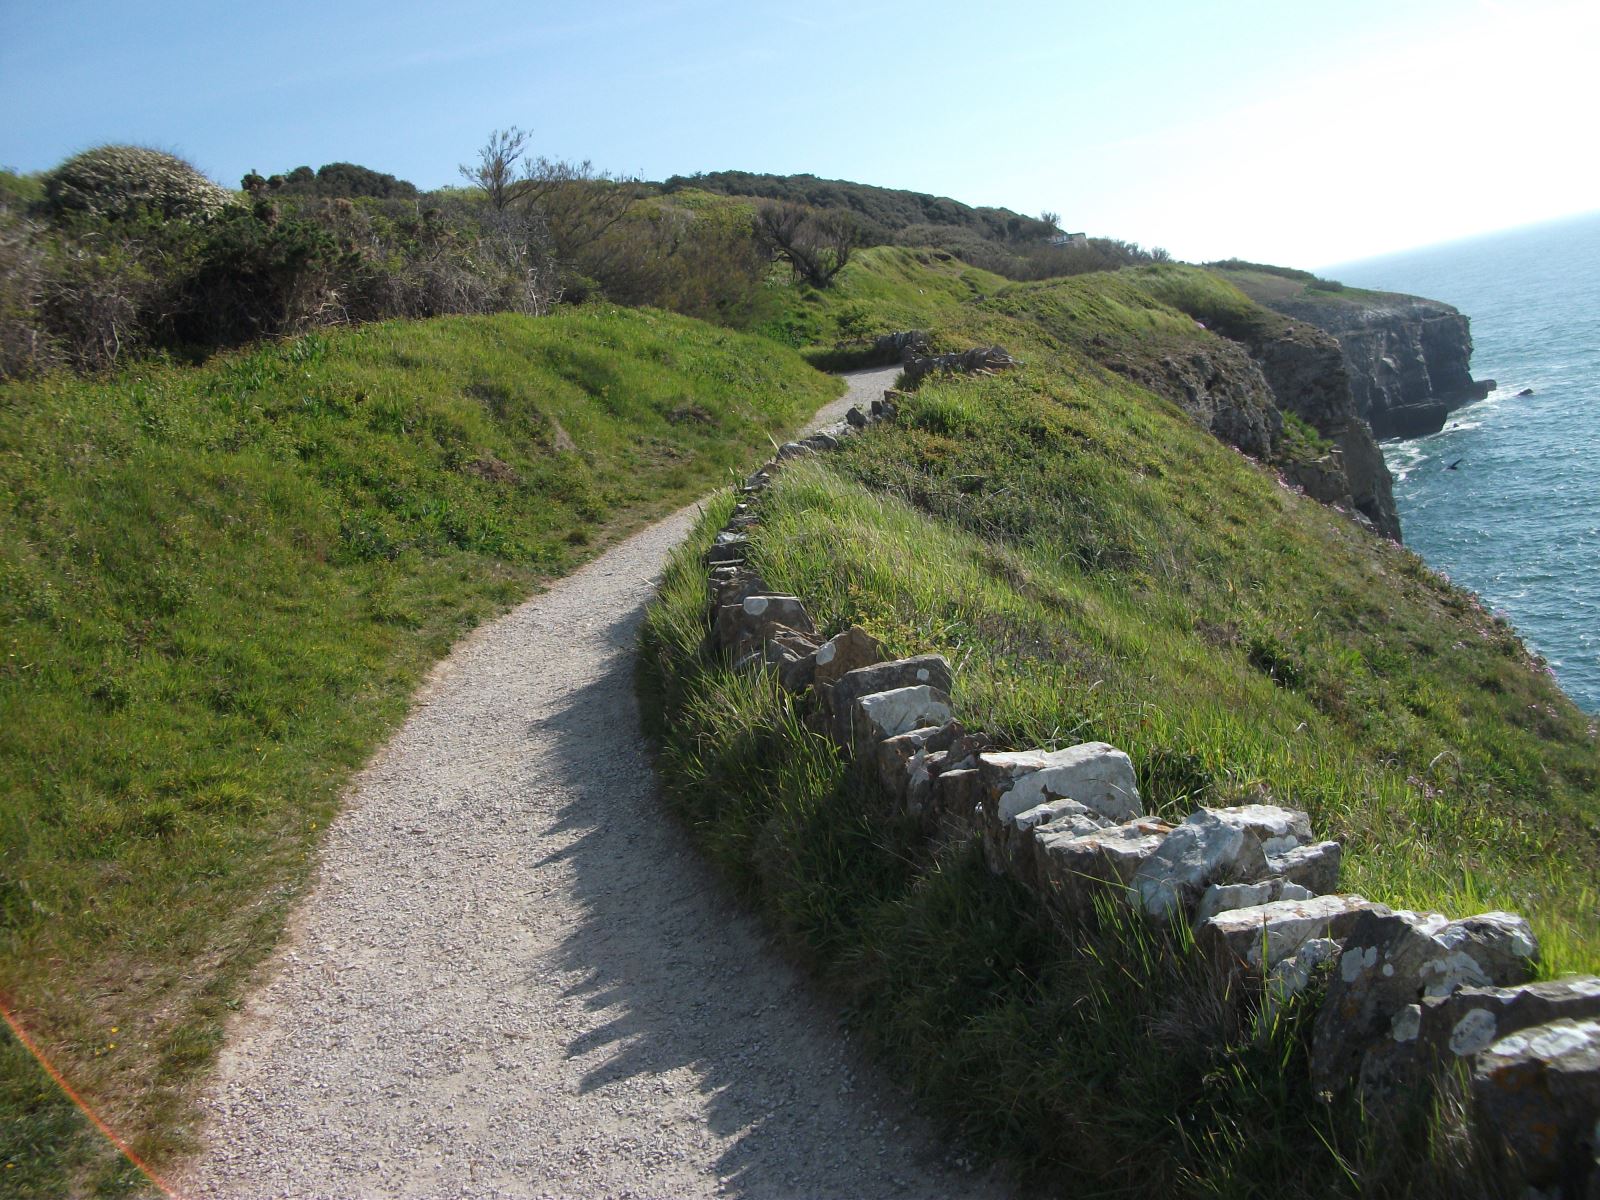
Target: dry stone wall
(1411, 998)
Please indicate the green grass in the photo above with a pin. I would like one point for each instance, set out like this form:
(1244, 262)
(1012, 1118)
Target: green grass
(1096, 567)
(218, 588)
(886, 289)
(1272, 285)
(1101, 569)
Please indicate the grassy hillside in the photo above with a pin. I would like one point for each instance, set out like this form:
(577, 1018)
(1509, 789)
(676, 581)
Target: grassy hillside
(218, 588)
(884, 288)
(1096, 567)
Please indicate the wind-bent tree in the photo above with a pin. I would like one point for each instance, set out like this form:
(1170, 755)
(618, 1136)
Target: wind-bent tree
(816, 245)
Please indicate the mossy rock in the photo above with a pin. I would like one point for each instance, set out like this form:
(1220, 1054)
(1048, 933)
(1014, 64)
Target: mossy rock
(120, 182)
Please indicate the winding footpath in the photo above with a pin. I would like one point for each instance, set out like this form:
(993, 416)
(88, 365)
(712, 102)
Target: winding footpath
(513, 976)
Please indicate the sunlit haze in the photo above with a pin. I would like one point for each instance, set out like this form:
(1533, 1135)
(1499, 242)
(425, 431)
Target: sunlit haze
(1302, 134)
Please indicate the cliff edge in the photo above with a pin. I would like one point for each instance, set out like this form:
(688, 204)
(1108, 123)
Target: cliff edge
(1307, 376)
(1408, 358)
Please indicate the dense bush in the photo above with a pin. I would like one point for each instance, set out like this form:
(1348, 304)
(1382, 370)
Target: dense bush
(122, 251)
(880, 213)
(123, 182)
(340, 179)
(87, 290)
(700, 260)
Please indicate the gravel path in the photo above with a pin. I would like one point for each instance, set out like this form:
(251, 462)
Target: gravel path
(514, 977)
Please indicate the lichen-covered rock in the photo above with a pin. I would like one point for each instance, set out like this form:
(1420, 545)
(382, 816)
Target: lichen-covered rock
(1225, 897)
(1456, 1028)
(1071, 867)
(1009, 843)
(845, 652)
(820, 441)
(1257, 939)
(924, 770)
(732, 582)
(793, 655)
(952, 800)
(896, 754)
(1395, 959)
(734, 550)
(1094, 774)
(1292, 975)
(1057, 815)
(1538, 1093)
(1215, 845)
(744, 626)
(1315, 867)
(880, 715)
(1472, 1018)
(929, 670)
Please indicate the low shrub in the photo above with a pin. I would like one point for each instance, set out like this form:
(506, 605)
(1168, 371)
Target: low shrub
(123, 182)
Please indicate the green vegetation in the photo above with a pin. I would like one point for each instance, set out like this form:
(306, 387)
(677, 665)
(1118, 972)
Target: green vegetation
(884, 289)
(120, 182)
(1271, 285)
(1097, 567)
(124, 252)
(220, 583)
(335, 179)
(219, 587)
(880, 212)
(995, 239)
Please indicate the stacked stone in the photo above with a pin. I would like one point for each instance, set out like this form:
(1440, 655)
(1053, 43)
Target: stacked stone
(1411, 997)
(982, 360)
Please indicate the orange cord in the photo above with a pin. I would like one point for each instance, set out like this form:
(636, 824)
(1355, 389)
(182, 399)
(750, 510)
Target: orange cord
(49, 1067)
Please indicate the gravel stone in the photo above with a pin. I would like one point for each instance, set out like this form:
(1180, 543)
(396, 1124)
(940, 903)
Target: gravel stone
(514, 977)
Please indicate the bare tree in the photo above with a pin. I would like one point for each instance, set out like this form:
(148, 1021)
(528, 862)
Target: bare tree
(501, 172)
(579, 206)
(575, 205)
(816, 245)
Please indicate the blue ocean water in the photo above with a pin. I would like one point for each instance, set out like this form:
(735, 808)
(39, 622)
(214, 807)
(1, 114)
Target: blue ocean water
(1518, 520)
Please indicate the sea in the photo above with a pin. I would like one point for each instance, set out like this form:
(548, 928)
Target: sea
(1505, 499)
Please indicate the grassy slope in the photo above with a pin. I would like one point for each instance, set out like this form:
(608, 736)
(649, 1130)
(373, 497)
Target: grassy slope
(1099, 568)
(218, 588)
(887, 288)
(1227, 612)
(1270, 287)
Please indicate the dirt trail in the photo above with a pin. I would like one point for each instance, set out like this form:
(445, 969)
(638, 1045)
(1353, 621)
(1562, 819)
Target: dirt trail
(514, 977)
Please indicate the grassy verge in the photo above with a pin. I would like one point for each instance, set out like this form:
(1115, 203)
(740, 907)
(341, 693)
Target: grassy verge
(1096, 567)
(218, 588)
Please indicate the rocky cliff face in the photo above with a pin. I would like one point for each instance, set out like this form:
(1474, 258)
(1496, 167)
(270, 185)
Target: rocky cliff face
(1218, 385)
(1307, 373)
(1408, 359)
(1239, 386)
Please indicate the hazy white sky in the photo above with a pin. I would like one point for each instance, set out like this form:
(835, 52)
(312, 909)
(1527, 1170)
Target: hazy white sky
(1289, 132)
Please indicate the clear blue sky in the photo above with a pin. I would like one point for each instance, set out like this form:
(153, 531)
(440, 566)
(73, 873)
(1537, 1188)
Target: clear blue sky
(1284, 131)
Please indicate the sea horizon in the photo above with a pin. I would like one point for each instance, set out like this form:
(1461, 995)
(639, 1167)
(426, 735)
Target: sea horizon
(1505, 499)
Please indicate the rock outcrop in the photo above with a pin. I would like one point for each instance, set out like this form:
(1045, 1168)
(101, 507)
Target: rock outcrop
(1217, 384)
(1309, 376)
(1408, 359)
